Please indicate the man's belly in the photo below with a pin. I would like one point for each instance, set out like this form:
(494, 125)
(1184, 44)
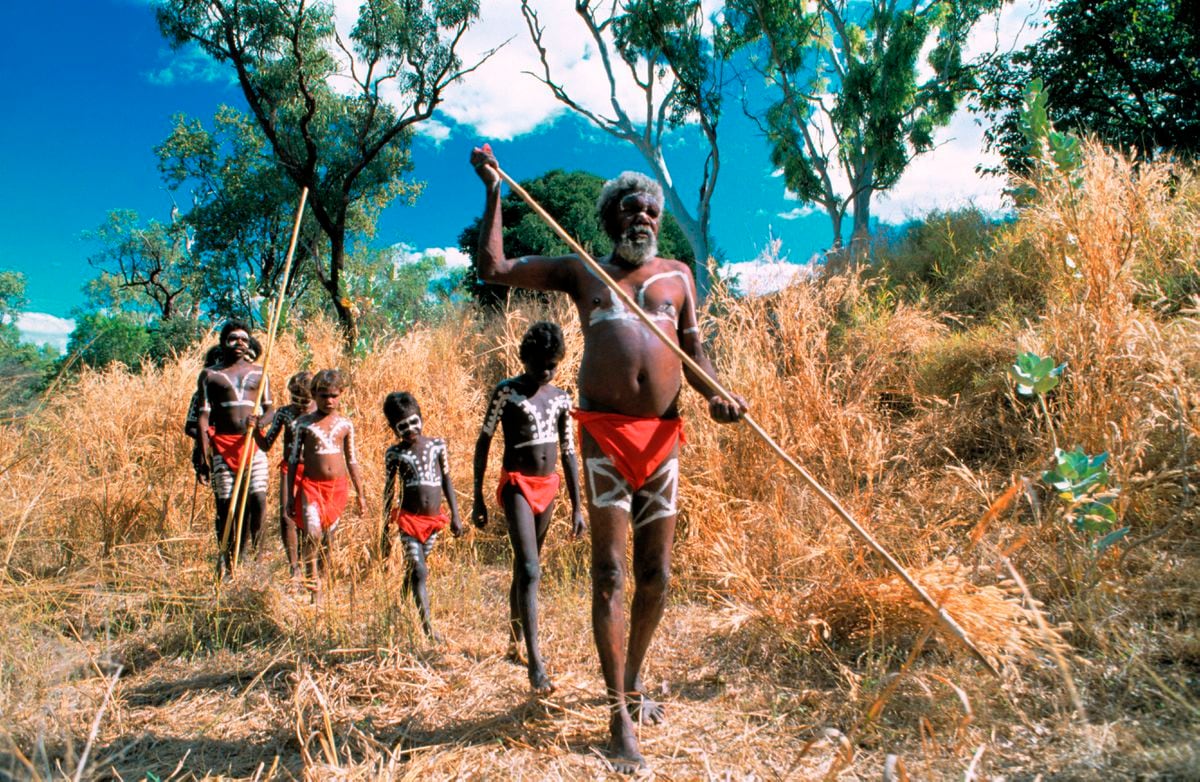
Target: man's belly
(626, 369)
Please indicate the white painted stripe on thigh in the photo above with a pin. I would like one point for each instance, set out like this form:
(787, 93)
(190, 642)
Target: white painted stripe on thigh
(601, 469)
(658, 498)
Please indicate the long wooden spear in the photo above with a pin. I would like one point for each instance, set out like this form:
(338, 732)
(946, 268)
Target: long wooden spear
(947, 621)
(238, 498)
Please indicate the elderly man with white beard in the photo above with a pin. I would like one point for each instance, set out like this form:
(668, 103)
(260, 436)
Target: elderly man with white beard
(629, 387)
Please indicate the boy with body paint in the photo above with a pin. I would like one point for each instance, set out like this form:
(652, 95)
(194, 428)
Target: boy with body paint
(324, 445)
(227, 394)
(283, 422)
(420, 466)
(535, 417)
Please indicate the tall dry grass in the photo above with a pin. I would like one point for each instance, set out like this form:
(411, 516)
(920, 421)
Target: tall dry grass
(904, 413)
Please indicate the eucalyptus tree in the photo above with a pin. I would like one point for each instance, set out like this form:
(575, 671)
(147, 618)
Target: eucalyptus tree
(144, 268)
(1126, 70)
(849, 102)
(339, 112)
(660, 47)
(241, 214)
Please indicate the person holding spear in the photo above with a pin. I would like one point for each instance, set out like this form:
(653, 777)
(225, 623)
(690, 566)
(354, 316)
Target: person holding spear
(227, 396)
(630, 429)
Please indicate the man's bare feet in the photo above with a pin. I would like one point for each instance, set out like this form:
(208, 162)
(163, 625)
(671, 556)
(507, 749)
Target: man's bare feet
(540, 682)
(513, 655)
(623, 752)
(644, 709)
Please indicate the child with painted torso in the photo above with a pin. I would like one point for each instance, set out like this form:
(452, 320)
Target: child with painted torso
(282, 421)
(324, 445)
(536, 421)
(421, 467)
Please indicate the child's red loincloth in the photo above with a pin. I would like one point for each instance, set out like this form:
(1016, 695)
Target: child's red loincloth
(329, 495)
(539, 490)
(229, 446)
(417, 526)
(637, 446)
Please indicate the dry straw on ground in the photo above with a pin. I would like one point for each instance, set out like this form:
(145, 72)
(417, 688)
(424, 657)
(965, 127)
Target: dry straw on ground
(787, 652)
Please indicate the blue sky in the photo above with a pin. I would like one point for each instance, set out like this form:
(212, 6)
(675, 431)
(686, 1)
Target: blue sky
(90, 88)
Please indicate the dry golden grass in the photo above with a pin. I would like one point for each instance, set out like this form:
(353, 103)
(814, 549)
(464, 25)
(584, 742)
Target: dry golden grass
(788, 651)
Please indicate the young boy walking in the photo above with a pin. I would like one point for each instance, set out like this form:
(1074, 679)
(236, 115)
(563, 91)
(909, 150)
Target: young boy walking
(324, 445)
(283, 422)
(536, 421)
(420, 466)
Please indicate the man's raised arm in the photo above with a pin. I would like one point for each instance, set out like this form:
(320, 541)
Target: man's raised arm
(536, 272)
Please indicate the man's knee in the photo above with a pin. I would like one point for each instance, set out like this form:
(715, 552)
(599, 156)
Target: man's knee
(417, 571)
(529, 573)
(608, 578)
(652, 577)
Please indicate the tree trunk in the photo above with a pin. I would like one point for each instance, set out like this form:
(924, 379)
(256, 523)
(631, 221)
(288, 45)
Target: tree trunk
(341, 303)
(862, 182)
(860, 235)
(697, 237)
(835, 256)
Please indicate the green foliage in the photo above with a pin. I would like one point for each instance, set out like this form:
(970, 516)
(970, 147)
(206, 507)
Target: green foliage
(927, 256)
(392, 290)
(1125, 70)
(22, 365)
(854, 68)
(1035, 375)
(1051, 153)
(144, 269)
(350, 146)
(1076, 474)
(100, 340)
(1081, 481)
(243, 208)
(570, 198)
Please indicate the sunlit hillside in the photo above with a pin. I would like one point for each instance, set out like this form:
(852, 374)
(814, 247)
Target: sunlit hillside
(789, 651)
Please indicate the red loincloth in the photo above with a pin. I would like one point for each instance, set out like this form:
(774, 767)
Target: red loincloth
(539, 490)
(637, 446)
(329, 495)
(417, 526)
(229, 446)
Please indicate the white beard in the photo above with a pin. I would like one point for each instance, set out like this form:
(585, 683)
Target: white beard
(636, 246)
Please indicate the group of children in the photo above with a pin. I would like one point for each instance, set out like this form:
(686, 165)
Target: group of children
(320, 462)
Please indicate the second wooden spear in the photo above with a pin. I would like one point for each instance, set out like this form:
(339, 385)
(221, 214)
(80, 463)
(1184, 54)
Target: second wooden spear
(238, 498)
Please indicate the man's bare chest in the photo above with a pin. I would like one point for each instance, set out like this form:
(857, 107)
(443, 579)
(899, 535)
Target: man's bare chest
(234, 386)
(660, 294)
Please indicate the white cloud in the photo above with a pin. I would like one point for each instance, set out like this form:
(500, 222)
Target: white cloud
(501, 99)
(41, 328)
(454, 258)
(945, 178)
(756, 278)
(1014, 26)
(189, 65)
(797, 212)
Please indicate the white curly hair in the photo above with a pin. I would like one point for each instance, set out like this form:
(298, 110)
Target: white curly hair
(622, 185)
